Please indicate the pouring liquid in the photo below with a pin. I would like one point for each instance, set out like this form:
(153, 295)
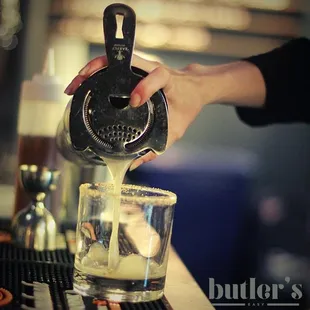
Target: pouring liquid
(138, 231)
(104, 272)
(118, 169)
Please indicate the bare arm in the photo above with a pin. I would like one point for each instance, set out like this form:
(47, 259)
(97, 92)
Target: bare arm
(239, 83)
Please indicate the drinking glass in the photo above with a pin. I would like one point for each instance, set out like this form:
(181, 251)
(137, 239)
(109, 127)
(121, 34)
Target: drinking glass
(131, 266)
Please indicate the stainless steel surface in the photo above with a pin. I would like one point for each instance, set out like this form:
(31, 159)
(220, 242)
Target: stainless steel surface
(99, 122)
(34, 226)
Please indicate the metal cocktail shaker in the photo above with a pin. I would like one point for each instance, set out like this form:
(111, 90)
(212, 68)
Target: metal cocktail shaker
(98, 122)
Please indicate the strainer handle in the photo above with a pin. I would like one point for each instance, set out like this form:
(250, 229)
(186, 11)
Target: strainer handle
(119, 43)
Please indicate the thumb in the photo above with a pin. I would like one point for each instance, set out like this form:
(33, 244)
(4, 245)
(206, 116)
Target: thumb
(142, 160)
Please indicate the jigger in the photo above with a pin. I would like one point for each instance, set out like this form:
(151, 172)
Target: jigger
(34, 227)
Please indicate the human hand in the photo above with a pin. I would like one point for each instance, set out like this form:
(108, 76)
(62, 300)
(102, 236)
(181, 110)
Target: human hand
(183, 89)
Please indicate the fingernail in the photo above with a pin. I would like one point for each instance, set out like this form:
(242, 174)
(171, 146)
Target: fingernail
(135, 100)
(85, 70)
(68, 90)
(135, 165)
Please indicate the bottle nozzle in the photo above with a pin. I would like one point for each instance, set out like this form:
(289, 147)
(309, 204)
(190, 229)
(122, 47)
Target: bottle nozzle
(49, 63)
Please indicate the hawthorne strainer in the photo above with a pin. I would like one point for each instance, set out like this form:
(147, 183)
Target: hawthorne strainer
(99, 122)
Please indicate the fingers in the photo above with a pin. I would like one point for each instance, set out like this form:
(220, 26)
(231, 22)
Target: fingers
(75, 83)
(94, 65)
(100, 62)
(90, 68)
(144, 64)
(156, 80)
(172, 137)
(142, 160)
(150, 155)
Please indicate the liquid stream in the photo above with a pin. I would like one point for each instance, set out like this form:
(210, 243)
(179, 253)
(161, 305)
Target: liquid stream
(118, 169)
(108, 263)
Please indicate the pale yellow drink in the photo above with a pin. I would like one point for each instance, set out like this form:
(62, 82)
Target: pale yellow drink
(141, 218)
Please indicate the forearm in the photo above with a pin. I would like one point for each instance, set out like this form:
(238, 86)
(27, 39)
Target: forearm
(239, 83)
(277, 82)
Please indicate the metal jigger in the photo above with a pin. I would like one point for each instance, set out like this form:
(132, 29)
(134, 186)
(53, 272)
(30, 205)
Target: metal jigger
(34, 227)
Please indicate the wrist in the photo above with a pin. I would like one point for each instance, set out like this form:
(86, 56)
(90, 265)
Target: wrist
(211, 81)
(209, 88)
(239, 84)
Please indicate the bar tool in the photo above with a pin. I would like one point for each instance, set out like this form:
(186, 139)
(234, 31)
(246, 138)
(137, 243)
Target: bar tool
(34, 226)
(98, 122)
(41, 107)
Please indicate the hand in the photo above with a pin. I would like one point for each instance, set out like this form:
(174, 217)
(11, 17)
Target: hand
(183, 90)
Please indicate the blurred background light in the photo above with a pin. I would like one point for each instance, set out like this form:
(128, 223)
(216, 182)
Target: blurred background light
(10, 23)
(206, 25)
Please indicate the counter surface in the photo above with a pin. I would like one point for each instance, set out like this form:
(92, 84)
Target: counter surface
(182, 291)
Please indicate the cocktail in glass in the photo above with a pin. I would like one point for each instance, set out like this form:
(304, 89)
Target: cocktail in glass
(131, 266)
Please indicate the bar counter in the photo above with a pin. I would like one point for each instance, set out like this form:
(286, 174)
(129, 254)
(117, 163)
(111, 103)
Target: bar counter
(182, 291)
